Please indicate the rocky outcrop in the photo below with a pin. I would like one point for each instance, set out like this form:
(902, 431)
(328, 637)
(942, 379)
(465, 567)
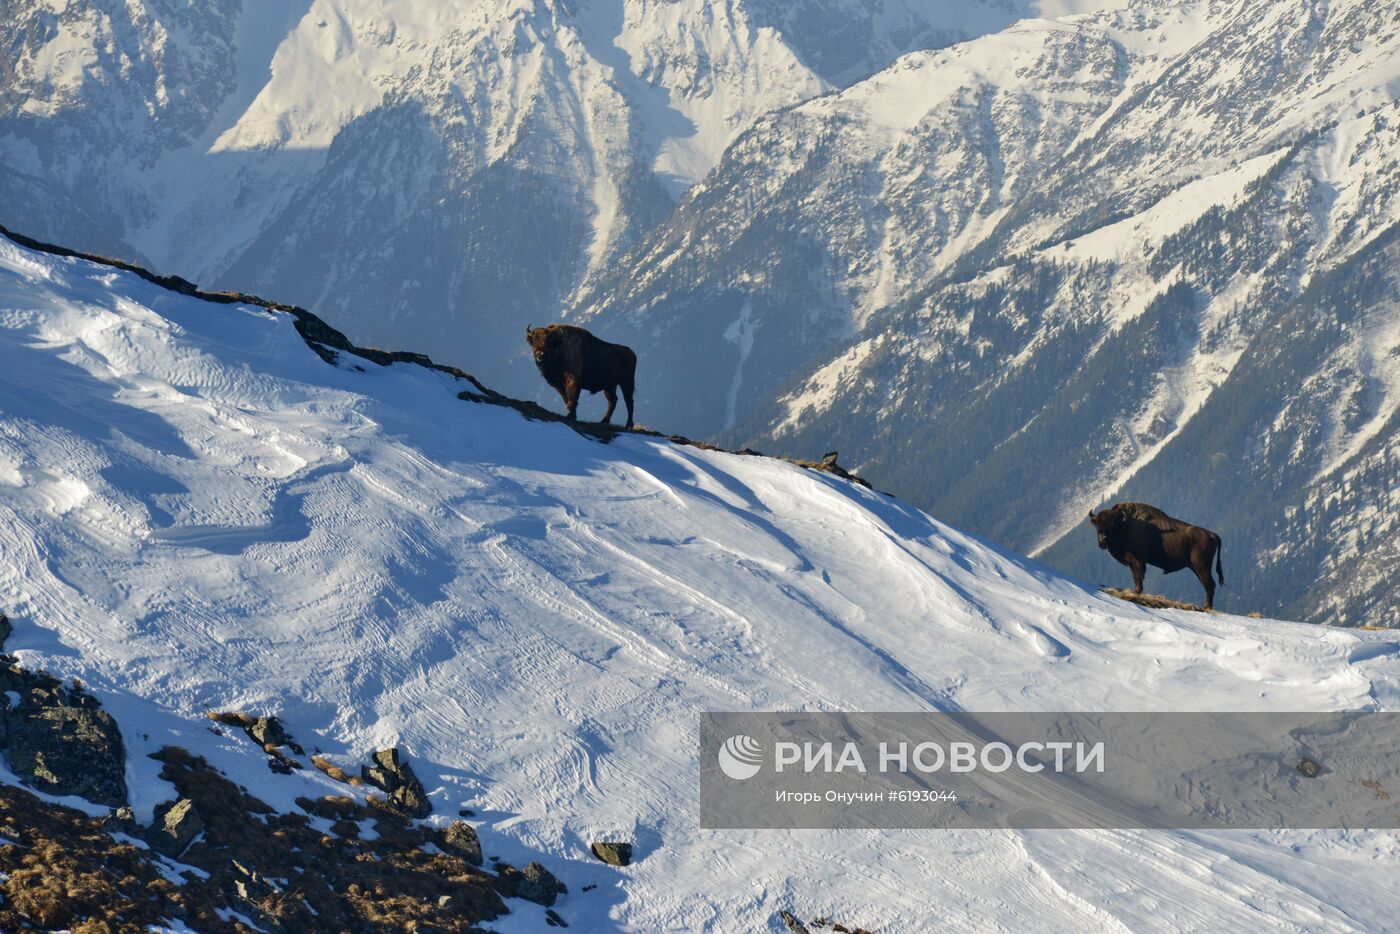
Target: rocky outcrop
(791, 922)
(392, 774)
(69, 751)
(61, 869)
(613, 853)
(460, 839)
(58, 739)
(534, 883)
(269, 732)
(266, 731)
(175, 828)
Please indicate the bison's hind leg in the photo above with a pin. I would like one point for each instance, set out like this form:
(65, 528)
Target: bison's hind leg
(611, 395)
(629, 380)
(1202, 569)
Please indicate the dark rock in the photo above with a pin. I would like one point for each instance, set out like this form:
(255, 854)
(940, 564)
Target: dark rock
(176, 825)
(379, 778)
(392, 773)
(121, 820)
(537, 884)
(346, 829)
(1309, 767)
(551, 918)
(613, 853)
(6, 629)
(460, 839)
(411, 800)
(268, 730)
(67, 750)
(793, 925)
(390, 760)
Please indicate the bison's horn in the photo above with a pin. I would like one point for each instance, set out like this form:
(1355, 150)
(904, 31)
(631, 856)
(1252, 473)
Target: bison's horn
(1091, 513)
(529, 329)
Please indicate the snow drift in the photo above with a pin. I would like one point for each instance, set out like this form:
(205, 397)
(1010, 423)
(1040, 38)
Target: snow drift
(199, 512)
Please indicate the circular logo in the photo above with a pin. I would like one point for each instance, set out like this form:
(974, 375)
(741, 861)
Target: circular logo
(740, 757)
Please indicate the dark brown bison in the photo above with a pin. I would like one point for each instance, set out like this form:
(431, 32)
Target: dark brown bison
(1137, 535)
(572, 361)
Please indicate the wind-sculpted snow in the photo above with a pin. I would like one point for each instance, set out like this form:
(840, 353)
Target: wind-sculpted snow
(197, 511)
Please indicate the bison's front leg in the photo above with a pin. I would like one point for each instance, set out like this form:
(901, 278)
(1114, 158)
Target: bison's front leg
(1138, 568)
(571, 396)
(611, 396)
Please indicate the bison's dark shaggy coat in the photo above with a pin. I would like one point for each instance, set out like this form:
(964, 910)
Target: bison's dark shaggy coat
(572, 361)
(1137, 535)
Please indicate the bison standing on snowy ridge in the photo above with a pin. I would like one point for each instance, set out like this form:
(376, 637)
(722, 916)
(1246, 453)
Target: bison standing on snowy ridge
(572, 360)
(1137, 535)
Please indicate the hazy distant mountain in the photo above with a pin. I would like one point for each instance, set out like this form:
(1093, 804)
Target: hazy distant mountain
(427, 174)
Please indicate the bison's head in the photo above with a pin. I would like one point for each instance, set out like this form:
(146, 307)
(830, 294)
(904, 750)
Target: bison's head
(1106, 524)
(539, 340)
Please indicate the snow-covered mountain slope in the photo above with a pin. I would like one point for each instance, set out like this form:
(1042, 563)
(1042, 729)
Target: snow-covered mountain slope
(426, 173)
(1053, 245)
(198, 511)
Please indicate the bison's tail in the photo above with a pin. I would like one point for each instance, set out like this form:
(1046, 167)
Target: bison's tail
(1219, 574)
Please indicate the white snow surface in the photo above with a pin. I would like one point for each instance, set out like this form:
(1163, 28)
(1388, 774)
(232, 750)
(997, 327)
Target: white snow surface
(197, 512)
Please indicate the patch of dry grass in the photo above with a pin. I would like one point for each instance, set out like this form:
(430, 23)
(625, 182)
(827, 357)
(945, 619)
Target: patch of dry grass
(1153, 600)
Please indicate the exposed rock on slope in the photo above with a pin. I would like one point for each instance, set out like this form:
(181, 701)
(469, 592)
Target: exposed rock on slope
(57, 738)
(238, 857)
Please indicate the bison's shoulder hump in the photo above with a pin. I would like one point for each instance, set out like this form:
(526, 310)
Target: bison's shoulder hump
(1151, 515)
(1141, 511)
